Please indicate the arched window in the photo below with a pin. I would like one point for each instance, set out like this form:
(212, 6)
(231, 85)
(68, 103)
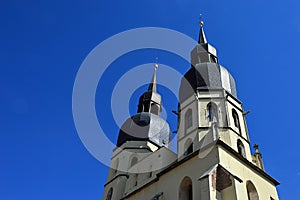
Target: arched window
(251, 191)
(241, 148)
(236, 120)
(188, 147)
(109, 194)
(186, 189)
(134, 160)
(188, 119)
(212, 109)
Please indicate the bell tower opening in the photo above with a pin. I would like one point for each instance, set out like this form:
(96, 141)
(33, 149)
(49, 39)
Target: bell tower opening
(188, 120)
(241, 148)
(212, 112)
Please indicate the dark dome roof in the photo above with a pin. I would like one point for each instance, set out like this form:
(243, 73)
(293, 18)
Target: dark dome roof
(145, 126)
(206, 76)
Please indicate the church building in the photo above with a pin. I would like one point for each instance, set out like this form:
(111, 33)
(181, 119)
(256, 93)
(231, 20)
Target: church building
(213, 159)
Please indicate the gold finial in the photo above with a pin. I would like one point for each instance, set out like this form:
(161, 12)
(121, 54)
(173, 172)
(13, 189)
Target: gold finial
(201, 23)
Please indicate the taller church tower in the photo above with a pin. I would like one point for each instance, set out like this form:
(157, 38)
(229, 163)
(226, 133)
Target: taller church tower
(213, 160)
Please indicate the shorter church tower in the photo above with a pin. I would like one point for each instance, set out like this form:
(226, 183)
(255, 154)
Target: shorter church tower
(142, 146)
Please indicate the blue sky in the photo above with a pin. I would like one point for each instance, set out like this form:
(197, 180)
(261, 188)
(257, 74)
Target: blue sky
(43, 44)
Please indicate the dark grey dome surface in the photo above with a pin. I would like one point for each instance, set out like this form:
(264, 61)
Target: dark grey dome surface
(206, 76)
(145, 126)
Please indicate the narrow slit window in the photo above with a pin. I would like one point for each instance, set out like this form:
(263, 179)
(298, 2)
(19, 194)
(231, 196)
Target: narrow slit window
(212, 109)
(236, 120)
(188, 119)
(241, 148)
(109, 194)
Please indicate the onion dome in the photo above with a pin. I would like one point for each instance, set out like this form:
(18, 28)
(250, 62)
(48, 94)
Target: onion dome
(205, 72)
(147, 125)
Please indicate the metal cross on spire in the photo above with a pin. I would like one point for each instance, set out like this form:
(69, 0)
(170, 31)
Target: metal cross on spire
(156, 63)
(202, 38)
(201, 21)
(152, 85)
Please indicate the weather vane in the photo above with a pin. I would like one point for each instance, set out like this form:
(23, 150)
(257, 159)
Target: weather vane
(201, 21)
(156, 64)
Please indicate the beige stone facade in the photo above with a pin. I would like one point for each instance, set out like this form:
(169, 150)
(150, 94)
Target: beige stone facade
(216, 172)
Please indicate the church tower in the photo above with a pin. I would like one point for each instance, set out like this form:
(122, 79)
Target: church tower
(213, 159)
(139, 147)
(209, 107)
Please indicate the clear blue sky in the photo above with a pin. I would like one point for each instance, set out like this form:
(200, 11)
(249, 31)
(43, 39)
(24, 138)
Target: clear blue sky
(43, 44)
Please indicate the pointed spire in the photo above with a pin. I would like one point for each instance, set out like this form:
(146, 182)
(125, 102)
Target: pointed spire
(202, 38)
(203, 52)
(152, 85)
(150, 101)
(258, 157)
